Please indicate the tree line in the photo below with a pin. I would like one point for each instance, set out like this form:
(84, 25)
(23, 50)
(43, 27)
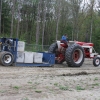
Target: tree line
(45, 21)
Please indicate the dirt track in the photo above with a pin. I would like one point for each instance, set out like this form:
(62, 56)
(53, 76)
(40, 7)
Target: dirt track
(50, 83)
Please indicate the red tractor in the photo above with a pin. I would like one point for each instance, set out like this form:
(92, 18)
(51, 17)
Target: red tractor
(74, 53)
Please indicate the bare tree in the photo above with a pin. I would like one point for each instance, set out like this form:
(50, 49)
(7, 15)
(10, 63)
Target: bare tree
(58, 12)
(12, 20)
(0, 14)
(18, 23)
(91, 14)
(38, 21)
(75, 9)
(44, 19)
(18, 19)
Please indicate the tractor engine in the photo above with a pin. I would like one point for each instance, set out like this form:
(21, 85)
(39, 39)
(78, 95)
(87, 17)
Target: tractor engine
(88, 49)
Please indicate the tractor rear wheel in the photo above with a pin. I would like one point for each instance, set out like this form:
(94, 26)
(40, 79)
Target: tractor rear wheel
(52, 48)
(96, 61)
(59, 58)
(6, 58)
(74, 55)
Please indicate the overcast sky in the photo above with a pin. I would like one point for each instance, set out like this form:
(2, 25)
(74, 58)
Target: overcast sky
(86, 2)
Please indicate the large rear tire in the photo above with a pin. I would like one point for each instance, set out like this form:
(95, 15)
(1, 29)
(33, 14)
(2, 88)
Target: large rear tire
(96, 61)
(6, 58)
(54, 49)
(74, 55)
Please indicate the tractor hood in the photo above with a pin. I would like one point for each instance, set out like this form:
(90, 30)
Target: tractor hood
(84, 43)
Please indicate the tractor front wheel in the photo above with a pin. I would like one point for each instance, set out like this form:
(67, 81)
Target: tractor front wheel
(74, 55)
(96, 61)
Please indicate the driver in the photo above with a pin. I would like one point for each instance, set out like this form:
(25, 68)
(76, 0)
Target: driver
(64, 39)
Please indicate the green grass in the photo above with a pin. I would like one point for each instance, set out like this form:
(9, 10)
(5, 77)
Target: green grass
(96, 84)
(16, 87)
(29, 82)
(80, 88)
(95, 79)
(63, 87)
(38, 91)
(25, 99)
(55, 84)
(2, 91)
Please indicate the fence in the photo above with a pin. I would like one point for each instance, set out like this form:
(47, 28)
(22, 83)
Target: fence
(36, 48)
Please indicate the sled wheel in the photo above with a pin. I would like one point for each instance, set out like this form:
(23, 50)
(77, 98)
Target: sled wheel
(6, 58)
(74, 55)
(96, 61)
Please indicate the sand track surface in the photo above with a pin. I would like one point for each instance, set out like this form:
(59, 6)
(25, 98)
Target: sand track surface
(58, 82)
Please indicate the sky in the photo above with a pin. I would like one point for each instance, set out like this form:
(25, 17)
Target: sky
(86, 2)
